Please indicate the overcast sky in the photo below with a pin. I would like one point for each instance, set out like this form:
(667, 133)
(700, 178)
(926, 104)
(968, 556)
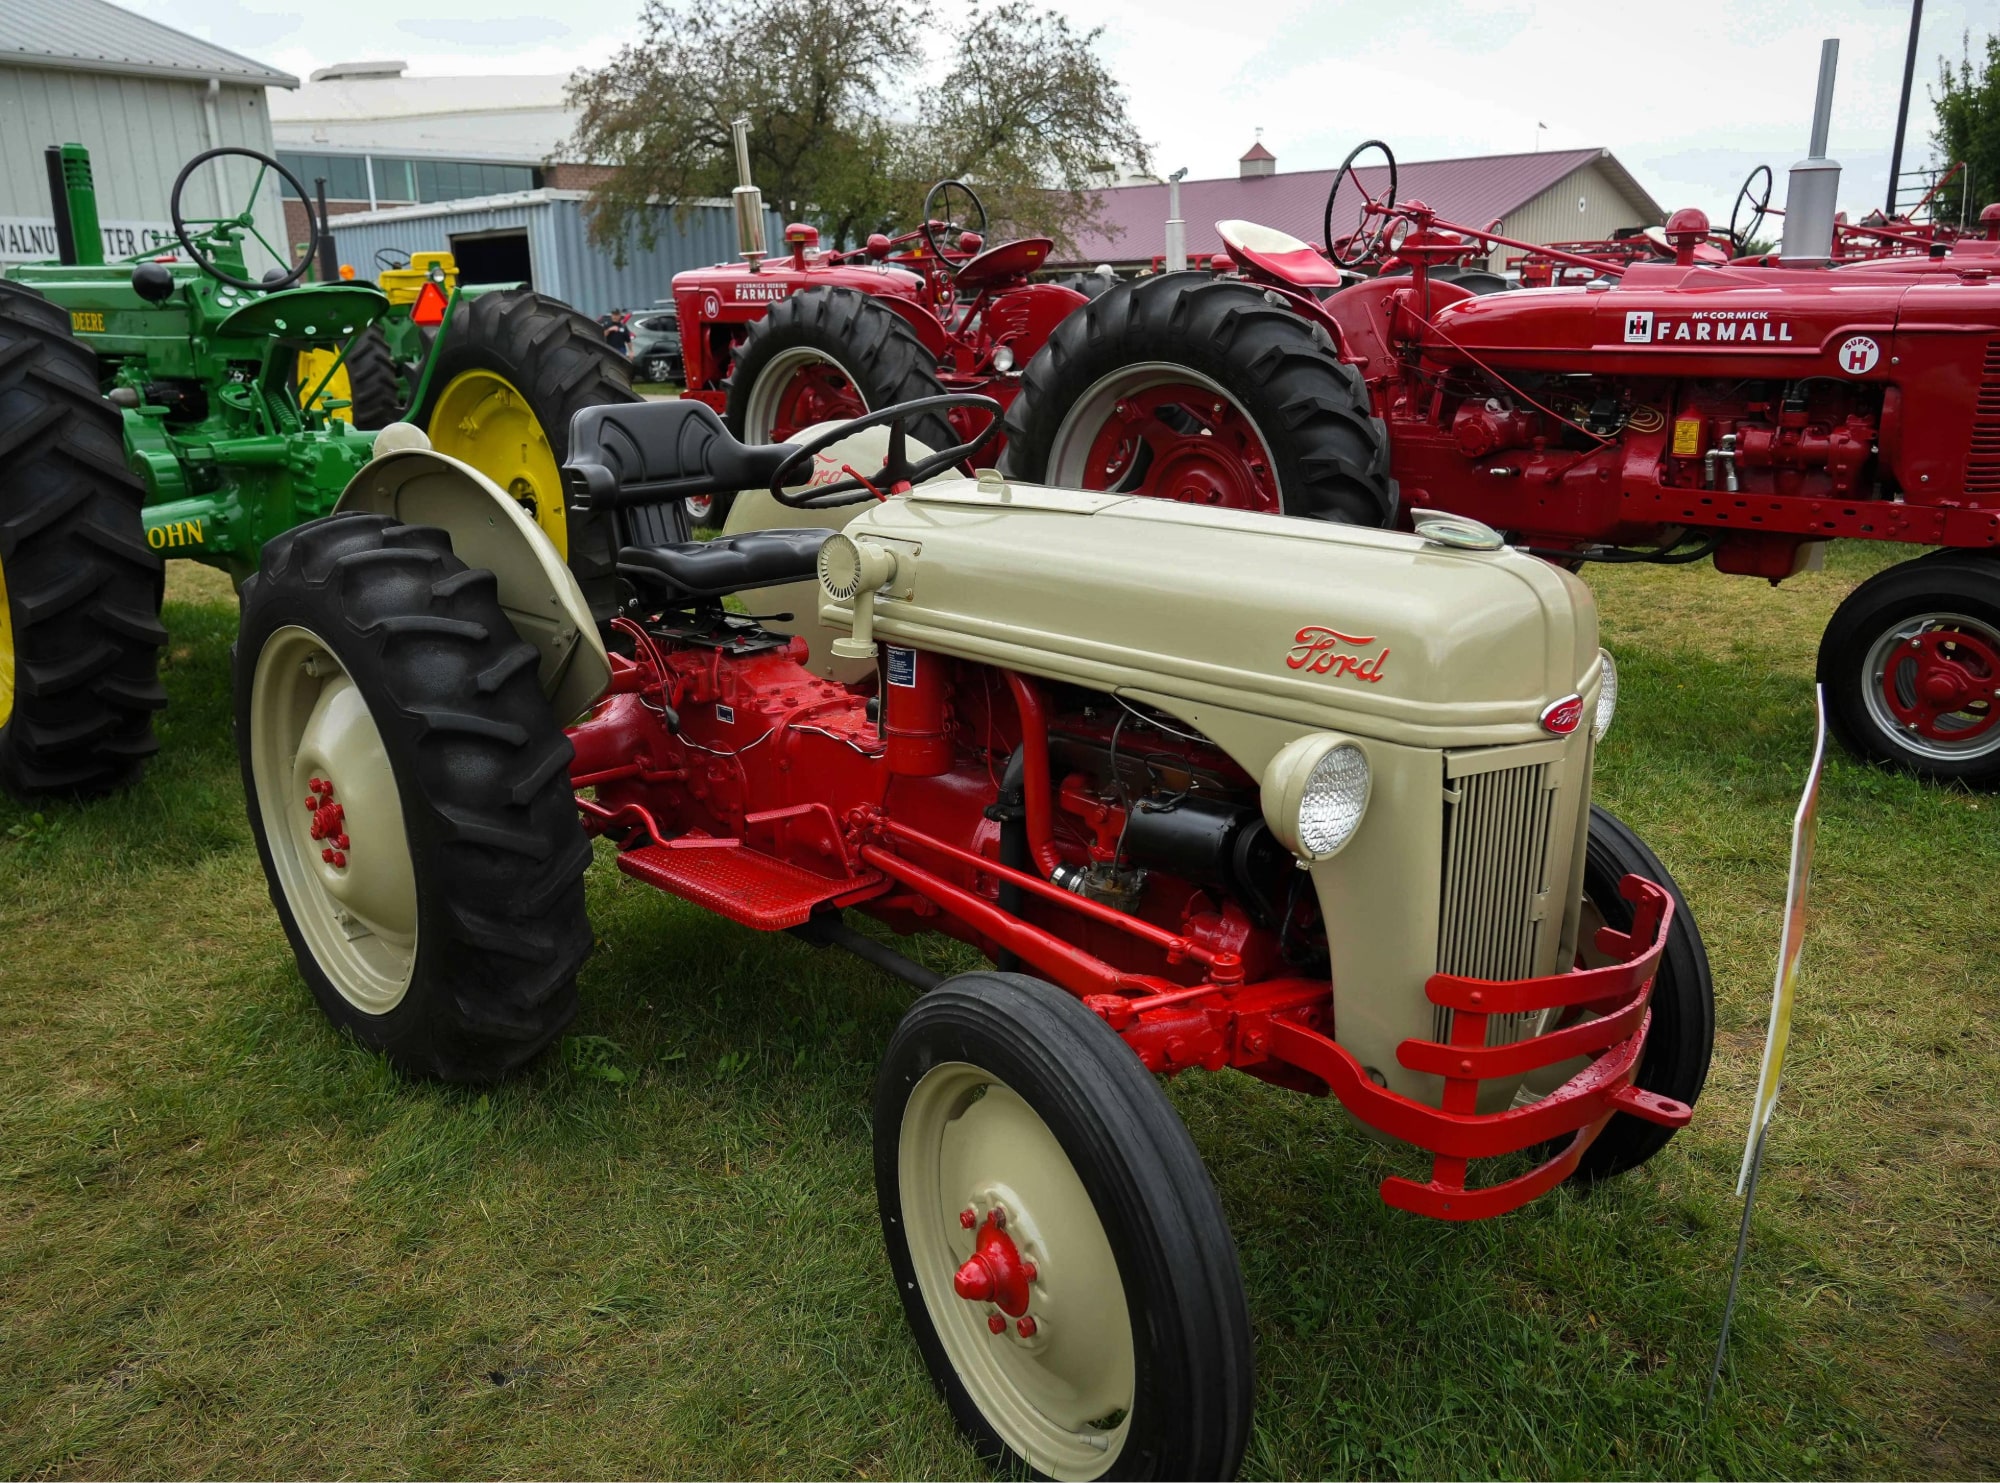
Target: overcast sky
(1690, 96)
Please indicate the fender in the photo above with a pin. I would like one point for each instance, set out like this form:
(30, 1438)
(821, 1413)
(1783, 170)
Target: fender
(408, 481)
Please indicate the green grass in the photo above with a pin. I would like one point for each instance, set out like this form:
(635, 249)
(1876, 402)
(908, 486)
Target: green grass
(231, 1243)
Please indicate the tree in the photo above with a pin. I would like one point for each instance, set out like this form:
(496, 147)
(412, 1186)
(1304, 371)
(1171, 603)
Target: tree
(1026, 113)
(1968, 129)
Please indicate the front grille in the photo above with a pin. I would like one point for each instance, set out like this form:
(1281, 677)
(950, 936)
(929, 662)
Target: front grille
(1496, 898)
(1982, 464)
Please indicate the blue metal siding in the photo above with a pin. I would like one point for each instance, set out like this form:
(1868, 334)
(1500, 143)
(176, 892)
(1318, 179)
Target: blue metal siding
(565, 264)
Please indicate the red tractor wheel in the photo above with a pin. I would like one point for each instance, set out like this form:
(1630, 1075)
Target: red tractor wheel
(825, 355)
(1192, 389)
(1911, 667)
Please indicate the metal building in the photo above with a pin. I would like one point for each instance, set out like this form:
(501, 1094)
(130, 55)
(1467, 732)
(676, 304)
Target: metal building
(144, 99)
(539, 237)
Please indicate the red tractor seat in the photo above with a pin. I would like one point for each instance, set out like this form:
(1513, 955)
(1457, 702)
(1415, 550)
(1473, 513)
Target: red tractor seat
(1009, 260)
(1280, 254)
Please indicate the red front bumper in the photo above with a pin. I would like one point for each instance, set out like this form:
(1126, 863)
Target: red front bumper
(1618, 994)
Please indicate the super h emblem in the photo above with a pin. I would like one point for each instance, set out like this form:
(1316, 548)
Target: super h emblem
(1858, 354)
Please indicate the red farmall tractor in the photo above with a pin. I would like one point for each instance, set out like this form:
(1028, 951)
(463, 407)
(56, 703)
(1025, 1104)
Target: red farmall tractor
(1211, 789)
(777, 344)
(1663, 411)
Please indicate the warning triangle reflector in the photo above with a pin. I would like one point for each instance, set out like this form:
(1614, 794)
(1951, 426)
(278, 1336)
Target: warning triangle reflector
(429, 309)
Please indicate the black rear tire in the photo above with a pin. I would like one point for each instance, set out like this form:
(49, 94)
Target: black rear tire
(376, 392)
(480, 769)
(1329, 454)
(1681, 1038)
(1192, 1373)
(1090, 285)
(80, 589)
(1960, 588)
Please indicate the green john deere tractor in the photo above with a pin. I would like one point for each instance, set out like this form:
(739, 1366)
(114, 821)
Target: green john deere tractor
(151, 408)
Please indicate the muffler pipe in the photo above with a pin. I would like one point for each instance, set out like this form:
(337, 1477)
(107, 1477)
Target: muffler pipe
(1815, 180)
(749, 201)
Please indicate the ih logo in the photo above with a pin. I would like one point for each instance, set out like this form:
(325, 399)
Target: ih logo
(1324, 651)
(1858, 354)
(1638, 326)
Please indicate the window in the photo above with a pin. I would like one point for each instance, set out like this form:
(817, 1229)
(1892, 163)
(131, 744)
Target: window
(346, 175)
(401, 180)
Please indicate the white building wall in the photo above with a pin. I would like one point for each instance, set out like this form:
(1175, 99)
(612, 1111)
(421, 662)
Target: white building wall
(139, 131)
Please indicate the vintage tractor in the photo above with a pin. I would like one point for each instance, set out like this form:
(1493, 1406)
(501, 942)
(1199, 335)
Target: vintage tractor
(1663, 412)
(1210, 788)
(149, 409)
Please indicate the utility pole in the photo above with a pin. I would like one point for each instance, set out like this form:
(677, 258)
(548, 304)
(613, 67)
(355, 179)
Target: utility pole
(1903, 108)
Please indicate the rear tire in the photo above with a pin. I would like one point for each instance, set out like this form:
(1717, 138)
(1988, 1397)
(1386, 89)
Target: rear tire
(999, 1091)
(1196, 344)
(1911, 666)
(375, 387)
(1681, 1038)
(439, 914)
(514, 368)
(80, 589)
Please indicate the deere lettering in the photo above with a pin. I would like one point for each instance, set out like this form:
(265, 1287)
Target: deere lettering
(174, 533)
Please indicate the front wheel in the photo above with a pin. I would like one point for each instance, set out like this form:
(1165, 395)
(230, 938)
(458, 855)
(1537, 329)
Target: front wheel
(1681, 1036)
(408, 789)
(1196, 389)
(1062, 1257)
(1911, 667)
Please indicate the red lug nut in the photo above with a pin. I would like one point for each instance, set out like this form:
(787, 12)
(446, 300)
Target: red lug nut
(326, 855)
(340, 841)
(339, 860)
(967, 1219)
(1028, 1271)
(997, 1324)
(1027, 1326)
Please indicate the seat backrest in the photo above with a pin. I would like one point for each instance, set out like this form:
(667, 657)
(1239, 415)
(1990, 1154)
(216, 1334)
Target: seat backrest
(640, 453)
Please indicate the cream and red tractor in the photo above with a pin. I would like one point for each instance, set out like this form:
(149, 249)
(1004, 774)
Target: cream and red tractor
(1211, 789)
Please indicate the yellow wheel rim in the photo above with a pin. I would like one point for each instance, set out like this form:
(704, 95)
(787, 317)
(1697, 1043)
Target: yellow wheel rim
(312, 366)
(6, 652)
(482, 419)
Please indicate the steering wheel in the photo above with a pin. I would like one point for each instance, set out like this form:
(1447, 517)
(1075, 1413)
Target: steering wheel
(391, 259)
(1362, 243)
(1759, 204)
(896, 467)
(941, 193)
(227, 231)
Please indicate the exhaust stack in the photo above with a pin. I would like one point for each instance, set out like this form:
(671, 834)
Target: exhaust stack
(1176, 227)
(749, 201)
(1815, 180)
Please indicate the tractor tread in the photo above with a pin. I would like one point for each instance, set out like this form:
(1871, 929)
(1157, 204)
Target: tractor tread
(499, 852)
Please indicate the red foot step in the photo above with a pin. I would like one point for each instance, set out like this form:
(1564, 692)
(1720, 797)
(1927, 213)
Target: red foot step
(737, 882)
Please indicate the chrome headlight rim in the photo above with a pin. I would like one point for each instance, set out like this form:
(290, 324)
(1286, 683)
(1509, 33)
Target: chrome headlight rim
(1607, 696)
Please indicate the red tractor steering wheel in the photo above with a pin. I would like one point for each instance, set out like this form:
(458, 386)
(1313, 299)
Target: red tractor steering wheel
(1364, 242)
(1758, 204)
(941, 193)
(896, 466)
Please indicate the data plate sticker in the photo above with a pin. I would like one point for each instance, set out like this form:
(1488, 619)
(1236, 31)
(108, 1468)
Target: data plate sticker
(902, 668)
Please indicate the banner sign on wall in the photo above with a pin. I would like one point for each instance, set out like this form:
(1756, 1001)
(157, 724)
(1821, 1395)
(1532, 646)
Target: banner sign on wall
(30, 239)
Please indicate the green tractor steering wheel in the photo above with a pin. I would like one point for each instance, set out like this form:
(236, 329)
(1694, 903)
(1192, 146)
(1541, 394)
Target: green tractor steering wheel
(226, 233)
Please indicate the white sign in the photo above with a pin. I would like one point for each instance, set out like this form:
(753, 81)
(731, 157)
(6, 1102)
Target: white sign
(1805, 832)
(32, 239)
(1858, 354)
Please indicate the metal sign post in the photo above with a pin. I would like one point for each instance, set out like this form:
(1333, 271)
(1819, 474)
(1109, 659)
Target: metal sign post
(1770, 1077)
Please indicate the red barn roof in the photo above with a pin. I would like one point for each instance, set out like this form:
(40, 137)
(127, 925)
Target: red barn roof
(1257, 152)
(1473, 191)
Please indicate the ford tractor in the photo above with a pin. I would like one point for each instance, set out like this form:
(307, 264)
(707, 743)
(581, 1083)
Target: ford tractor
(151, 408)
(1211, 789)
(1666, 410)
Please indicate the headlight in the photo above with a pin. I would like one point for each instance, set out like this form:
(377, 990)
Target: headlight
(1314, 794)
(1003, 359)
(1607, 696)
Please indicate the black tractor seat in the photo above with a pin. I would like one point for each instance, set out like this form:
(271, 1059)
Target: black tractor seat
(697, 571)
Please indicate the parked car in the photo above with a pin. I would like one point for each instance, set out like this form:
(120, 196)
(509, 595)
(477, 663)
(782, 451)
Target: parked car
(656, 346)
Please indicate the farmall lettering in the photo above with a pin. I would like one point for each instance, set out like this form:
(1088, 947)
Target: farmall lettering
(1327, 651)
(760, 293)
(1707, 327)
(174, 533)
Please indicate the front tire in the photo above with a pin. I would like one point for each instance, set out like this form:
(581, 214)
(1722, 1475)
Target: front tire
(80, 590)
(1681, 1038)
(1122, 1347)
(1911, 666)
(408, 788)
(1199, 389)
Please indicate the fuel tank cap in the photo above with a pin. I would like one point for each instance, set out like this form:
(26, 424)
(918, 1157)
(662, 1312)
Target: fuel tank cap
(1462, 532)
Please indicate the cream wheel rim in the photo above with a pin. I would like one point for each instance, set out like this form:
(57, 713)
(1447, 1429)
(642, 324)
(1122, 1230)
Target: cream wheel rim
(347, 875)
(1060, 1397)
